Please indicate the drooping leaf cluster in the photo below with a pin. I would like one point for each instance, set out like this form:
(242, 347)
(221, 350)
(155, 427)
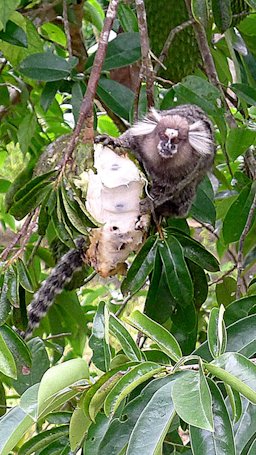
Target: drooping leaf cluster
(171, 345)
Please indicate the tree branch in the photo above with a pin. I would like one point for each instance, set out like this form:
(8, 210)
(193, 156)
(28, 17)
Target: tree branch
(208, 62)
(240, 257)
(66, 27)
(86, 110)
(169, 41)
(23, 235)
(147, 72)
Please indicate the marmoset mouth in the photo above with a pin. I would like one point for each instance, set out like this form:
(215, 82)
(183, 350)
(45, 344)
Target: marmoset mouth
(167, 149)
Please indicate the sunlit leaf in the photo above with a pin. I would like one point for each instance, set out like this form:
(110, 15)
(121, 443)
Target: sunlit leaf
(157, 333)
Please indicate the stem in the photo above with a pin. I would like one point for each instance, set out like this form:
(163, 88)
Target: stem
(86, 110)
(146, 65)
(240, 257)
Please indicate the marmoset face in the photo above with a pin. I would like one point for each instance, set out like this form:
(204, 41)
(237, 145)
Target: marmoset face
(171, 134)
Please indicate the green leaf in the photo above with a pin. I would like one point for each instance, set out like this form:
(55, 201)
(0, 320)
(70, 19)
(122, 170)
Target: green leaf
(43, 439)
(5, 305)
(22, 178)
(136, 376)
(24, 276)
(196, 90)
(203, 208)
(235, 403)
(225, 290)
(176, 270)
(54, 33)
(4, 185)
(99, 340)
(157, 333)
(18, 348)
(26, 131)
(28, 401)
(29, 202)
(245, 92)
(245, 431)
(238, 211)
(6, 9)
(74, 213)
(79, 425)
(141, 267)
(122, 51)
(245, 343)
(48, 94)
(94, 13)
(222, 14)
(14, 425)
(216, 333)
(160, 303)
(45, 66)
(96, 434)
(200, 11)
(127, 18)
(200, 283)
(192, 400)
(44, 215)
(118, 434)
(239, 140)
(153, 423)
(7, 364)
(95, 397)
(252, 448)
(221, 440)
(59, 378)
(237, 371)
(2, 402)
(71, 214)
(15, 54)
(28, 373)
(14, 34)
(196, 252)
(31, 184)
(239, 309)
(77, 99)
(116, 96)
(126, 341)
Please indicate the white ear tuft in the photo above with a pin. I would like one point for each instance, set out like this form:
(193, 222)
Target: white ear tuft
(155, 114)
(200, 138)
(145, 126)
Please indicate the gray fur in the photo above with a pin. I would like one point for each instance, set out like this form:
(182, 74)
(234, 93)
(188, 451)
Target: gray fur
(175, 166)
(54, 285)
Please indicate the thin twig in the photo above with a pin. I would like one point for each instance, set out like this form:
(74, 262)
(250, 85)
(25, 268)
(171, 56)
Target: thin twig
(218, 280)
(240, 257)
(123, 305)
(86, 110)
(24, 239)
(17, 237)
(35, 248)
(169, 41)
(58, 335)
(209, 65)
(212, 231)
(136, 100)
(66, 28)
(146, 64)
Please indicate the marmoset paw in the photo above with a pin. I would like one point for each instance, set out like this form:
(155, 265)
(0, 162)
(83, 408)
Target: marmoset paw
(146, 206)
(106, 140)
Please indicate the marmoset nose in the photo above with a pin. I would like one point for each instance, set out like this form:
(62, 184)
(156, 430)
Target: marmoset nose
(171, 133)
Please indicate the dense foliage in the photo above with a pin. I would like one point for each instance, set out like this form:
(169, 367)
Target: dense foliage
(82, 383)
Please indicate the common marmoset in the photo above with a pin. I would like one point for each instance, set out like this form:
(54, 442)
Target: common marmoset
(176, 148)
